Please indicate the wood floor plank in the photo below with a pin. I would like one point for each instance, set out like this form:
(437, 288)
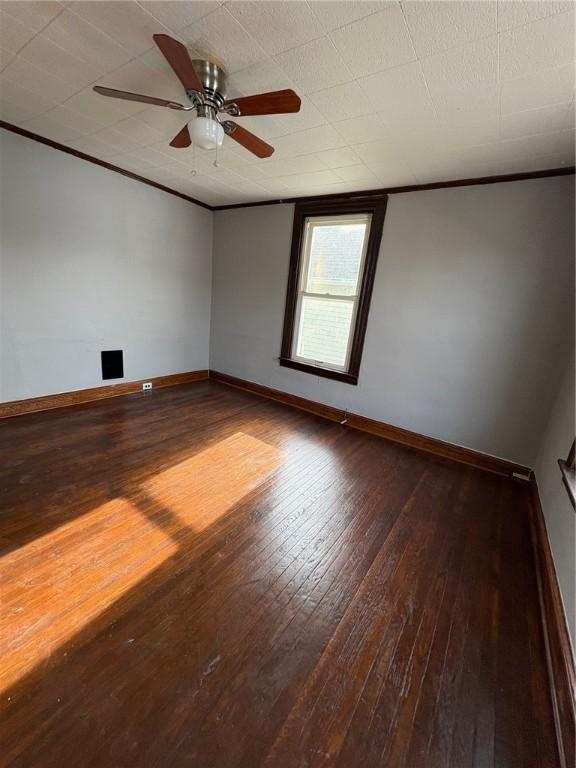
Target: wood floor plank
(318, 604)
(199, 577)
(368, 642)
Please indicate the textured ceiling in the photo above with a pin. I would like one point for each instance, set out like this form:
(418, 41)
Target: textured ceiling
(392, 93)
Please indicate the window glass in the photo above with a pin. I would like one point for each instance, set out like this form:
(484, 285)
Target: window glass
(335, 258)
(331, 275)
(324, 330)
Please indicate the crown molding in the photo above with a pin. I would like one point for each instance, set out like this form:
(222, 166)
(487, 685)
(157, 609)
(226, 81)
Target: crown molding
(102, 163)
(358, 195)
(370, 193)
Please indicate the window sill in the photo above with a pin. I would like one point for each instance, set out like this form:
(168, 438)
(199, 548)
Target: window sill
(316, 370)
(569, 478)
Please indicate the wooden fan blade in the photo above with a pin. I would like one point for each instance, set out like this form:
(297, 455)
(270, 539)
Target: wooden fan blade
(248, 140)
(272, 103)
(179, 59)
(128, 96)
(182, 139)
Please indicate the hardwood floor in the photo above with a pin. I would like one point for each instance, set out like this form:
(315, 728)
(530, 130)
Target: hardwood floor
(200, 577)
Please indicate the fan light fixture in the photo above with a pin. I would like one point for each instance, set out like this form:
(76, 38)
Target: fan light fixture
(205, 86)
(206, 133)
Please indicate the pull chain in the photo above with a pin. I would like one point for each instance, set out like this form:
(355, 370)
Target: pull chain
(216, 164)
(193, 172)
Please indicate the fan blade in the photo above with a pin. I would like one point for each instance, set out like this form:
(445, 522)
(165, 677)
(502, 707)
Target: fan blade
(136, 97)
(272, 103)
(248, 140)
(179, 59)
(182, 139)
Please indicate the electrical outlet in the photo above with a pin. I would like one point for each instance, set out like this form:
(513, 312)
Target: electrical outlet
(147, 385)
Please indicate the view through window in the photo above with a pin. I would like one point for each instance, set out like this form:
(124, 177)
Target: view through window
(335, 246)
(334, 253)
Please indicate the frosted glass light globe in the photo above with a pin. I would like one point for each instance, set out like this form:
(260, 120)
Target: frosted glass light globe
(206, 133)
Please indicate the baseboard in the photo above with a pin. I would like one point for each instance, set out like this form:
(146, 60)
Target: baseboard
(437, 447)
(63, 399)
(559, 659)
(326, 411)
(387, 431)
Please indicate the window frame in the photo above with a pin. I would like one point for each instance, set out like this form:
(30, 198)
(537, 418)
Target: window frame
(311, 221)
(568, 470)
(375, 207)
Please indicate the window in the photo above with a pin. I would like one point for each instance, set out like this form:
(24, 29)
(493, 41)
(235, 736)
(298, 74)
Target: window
(335, 247)
(568, 469)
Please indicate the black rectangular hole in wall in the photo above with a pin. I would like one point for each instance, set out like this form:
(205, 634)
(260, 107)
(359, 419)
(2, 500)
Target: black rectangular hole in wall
(112, 364)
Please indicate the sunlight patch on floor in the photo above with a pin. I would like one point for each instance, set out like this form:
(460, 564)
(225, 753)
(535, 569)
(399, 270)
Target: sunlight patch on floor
(201, 489)
(53, 587)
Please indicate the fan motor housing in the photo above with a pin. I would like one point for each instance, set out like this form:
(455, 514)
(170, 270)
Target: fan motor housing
(213, 80)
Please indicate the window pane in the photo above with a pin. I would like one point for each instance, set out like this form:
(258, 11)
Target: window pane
(335, 258)
(324, 329)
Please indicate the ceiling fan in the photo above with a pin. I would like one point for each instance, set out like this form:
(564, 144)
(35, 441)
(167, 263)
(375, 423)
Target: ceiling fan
(205, 86)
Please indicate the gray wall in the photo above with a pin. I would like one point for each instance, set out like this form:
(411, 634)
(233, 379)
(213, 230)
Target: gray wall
(469, 332)
(90, 260)
(466, 337)
(558, 511)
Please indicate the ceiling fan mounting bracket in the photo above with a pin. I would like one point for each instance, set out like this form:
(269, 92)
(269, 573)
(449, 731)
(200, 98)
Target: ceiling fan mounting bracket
(195, 99)
(231, 109)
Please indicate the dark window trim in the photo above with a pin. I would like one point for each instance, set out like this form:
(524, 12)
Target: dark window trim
(377, 208)
(568, 470)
